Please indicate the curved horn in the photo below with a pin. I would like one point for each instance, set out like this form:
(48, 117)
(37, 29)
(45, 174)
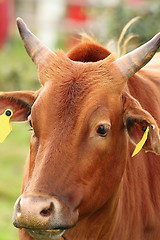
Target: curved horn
(130, 63)
(35, 49)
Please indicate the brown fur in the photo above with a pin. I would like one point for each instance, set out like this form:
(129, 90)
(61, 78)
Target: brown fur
(88, 52)
(117, 196)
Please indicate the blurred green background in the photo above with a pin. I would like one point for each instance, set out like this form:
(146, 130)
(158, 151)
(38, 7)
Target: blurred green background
(12, 155)
(17, 72)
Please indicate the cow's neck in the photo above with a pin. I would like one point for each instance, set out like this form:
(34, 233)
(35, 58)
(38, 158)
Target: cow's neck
(136, 212)
(122, 216)
(98, 226)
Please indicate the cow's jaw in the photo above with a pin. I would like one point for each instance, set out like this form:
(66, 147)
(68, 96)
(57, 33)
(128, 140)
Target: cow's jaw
(46, 234)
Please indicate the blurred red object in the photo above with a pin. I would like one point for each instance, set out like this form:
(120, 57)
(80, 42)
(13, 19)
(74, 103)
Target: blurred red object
(77, 17)
(3, 21)
(135, 2)
(76, 13)
(6, 17)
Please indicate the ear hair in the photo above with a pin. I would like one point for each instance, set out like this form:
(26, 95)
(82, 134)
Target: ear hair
(19, 102)
(136, 120)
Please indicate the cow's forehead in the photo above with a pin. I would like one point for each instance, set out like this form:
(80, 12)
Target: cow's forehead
(70, 98)
(70, 82)
(61, 70)
(55, 116)
(73, 89)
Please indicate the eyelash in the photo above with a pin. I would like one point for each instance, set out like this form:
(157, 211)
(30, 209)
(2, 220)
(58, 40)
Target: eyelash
(30, 123)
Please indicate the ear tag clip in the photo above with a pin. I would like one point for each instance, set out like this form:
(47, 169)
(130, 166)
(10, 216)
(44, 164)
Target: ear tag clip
(141, 143)
(5, 124)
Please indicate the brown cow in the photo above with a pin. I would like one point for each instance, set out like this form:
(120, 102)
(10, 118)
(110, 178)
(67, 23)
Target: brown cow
(80, 182)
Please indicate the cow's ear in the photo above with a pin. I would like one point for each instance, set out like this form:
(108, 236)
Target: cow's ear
(136, 120)
(19, 102)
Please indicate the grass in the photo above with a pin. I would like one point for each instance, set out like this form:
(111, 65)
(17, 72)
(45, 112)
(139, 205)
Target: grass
(13, 152)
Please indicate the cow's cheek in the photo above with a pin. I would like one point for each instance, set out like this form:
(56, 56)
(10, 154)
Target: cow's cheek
(30, 162)
(101, 173)
(92, 183)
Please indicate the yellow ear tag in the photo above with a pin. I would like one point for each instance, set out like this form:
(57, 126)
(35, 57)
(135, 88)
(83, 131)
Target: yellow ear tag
(141, 143)
(5, 125)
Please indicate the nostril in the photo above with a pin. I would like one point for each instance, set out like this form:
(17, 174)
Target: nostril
(18, 207)
(46, 212)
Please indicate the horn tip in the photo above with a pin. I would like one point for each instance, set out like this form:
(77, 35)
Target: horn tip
(21, 27)
(19, 21)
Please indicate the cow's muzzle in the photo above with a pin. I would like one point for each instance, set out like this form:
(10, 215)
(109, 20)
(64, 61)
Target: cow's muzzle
(43, 216)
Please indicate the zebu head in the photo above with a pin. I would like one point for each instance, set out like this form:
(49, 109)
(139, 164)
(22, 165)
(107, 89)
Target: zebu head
(81, 118)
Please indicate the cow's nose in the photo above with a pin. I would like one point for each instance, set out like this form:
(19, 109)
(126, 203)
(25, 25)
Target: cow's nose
(41, 212)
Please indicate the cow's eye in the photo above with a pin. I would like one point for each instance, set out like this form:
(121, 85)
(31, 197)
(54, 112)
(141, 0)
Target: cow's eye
(102, 130)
